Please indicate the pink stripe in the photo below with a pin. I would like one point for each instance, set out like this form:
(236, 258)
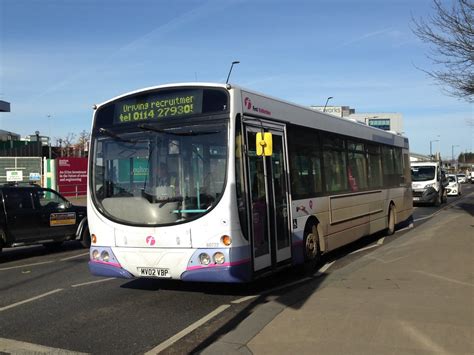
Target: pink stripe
(104, 263)
(235, 263)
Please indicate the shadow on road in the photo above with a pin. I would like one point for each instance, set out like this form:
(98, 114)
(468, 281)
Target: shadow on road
(31, 251)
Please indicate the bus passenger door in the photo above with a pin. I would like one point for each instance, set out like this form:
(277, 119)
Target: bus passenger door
(269, 207)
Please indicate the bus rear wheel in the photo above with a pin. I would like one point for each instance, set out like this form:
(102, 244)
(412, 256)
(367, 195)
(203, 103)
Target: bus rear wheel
(390, 220)
(312, 252)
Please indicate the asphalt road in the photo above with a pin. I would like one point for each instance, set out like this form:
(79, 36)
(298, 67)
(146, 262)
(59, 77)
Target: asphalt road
(49, 299)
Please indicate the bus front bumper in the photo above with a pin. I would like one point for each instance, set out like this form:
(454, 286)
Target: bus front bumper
(101, 269)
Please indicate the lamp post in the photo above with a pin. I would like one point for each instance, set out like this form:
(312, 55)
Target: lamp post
(38, 142)
(230, 71)
(49, 138)
(60, 148)
(431, 147)
(327, 100)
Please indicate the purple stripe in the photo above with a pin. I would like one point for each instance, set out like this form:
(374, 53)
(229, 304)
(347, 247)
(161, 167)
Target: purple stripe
(104, 263)
(235, 263)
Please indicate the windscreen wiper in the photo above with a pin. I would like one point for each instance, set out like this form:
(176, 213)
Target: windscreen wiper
(146, 127)
(109, 133)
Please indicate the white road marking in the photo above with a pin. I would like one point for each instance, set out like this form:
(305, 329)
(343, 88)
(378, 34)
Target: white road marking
(427, 344)
(444, 278)
(93, 282)
(10, 346)
(30, 299)
(243, 299)
(187, 330)
(410, 226)
(42, 263)
(27, 265)
(319, 272)
(422, 218)
(366, 248)
(323, 268)
(74, 257)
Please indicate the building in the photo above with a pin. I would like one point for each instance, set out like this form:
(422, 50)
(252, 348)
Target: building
(4, 106)
(7, 136)
(388, 121)
(339, 111)
(33, 138)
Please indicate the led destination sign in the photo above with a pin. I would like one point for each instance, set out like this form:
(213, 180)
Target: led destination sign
(158, 106)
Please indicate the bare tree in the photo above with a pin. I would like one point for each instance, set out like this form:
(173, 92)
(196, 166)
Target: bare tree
(82, 144)
(451, 33)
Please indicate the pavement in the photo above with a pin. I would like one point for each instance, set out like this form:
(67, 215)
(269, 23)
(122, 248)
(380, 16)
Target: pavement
(414, 295)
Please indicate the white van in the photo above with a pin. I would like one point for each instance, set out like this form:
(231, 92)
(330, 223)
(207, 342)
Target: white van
(428, 183)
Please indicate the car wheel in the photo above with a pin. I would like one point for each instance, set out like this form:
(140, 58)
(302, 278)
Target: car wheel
(445, 197)
(438, 200)
(86, 238)
(3, 239)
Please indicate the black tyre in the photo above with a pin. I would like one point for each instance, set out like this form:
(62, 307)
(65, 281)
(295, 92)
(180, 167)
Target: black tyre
(312, 252)
(3, 239)
(445, 196)
(86, 238)
(438, 200)
(390, 220)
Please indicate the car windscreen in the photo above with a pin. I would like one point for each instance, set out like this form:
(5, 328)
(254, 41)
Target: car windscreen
(423, 173)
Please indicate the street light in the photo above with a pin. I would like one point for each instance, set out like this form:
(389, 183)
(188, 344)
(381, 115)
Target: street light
(230, 71)
(49, 138)
(327, 100)
(38, 142)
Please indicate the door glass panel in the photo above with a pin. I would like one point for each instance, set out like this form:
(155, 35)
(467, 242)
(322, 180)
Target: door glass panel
(280, 189)
(259, 203)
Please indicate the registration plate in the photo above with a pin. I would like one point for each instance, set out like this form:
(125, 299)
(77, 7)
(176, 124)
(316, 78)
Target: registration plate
(154, 272)
(416, 198)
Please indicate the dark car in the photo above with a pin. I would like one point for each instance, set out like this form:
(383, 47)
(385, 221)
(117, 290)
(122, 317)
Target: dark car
(30, 214)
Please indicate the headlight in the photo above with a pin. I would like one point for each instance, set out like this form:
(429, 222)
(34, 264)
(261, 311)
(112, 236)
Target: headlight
(105, 256)
(95, 254)
(427, 186)
(204, 259)
(219, 258)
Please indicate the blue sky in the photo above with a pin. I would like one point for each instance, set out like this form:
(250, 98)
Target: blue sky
(59, 57)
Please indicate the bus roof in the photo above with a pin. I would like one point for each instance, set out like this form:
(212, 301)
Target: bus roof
(265, 106)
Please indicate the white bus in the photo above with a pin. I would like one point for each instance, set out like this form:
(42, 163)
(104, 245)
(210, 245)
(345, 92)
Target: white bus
(177, 188)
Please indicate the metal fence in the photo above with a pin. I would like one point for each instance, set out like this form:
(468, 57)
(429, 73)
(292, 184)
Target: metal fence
(30, 168)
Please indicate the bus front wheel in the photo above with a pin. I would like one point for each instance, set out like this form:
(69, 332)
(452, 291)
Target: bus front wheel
(312, 252)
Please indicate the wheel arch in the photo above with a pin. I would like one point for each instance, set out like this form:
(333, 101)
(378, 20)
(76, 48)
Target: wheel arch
(313, 220)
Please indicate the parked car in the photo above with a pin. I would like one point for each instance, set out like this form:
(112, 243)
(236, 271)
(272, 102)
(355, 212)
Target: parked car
(454, 186)
(30, 214)
(462, 178)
